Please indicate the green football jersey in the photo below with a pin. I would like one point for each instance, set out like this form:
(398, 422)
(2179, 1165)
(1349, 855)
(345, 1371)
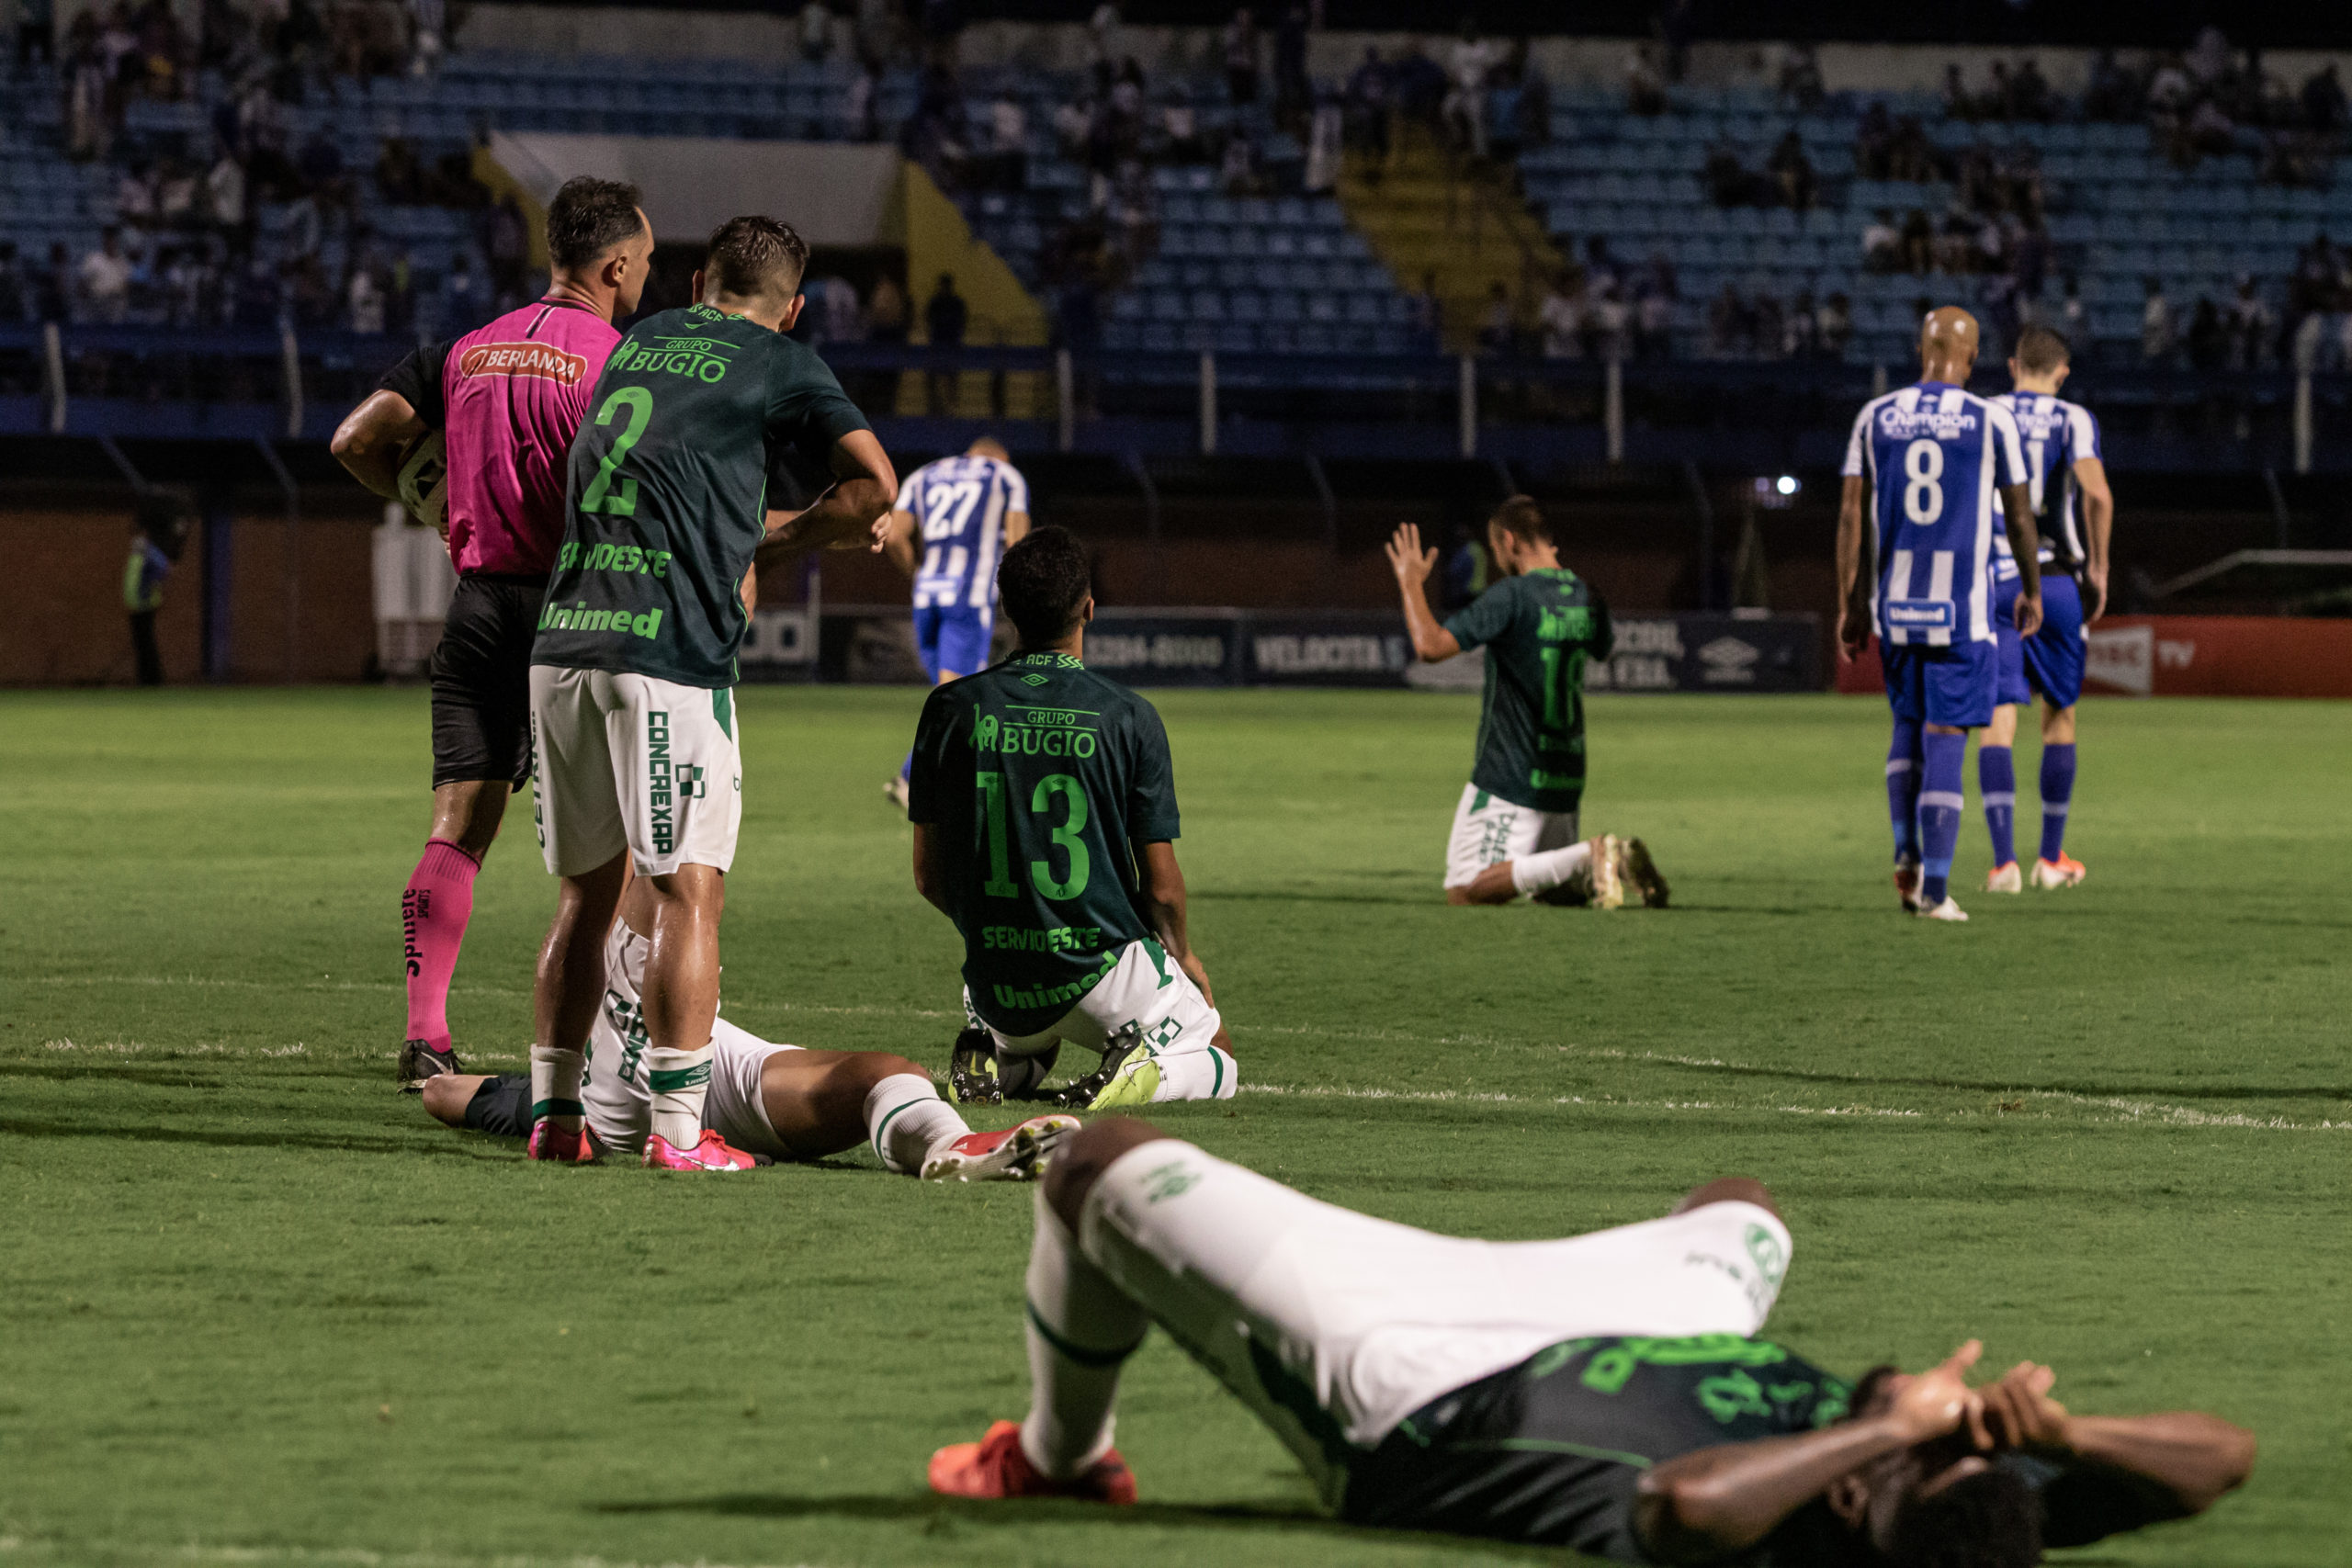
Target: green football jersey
(1538, 630)
(667, 498)
(1040, 777)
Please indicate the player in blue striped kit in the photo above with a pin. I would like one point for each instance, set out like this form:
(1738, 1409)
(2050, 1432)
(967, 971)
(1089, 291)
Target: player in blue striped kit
(955, 519)
(2073, 513)
(1922, 468)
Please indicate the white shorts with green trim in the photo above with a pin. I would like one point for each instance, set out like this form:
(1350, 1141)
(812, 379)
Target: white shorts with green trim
(1144, 988)
(1488, 830)
(615, 1093)
(1300, 1307)
(628, 761)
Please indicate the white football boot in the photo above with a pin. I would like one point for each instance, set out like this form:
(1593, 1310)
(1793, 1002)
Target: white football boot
(2005, 879)
(1949, 910)
(2064, 872)
(1907, 886)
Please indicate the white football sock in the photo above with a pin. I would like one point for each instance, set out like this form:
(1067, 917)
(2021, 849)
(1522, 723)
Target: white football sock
(1081, 1328)
(555, 1085)
(1207, 1073)
(906, 1122)
(680, 1080)
(1540, 872)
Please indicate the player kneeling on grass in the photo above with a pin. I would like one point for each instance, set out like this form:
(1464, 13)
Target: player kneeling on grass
(1044, 805)
(778, 1103)
(1515, 827)
(1604, 1392)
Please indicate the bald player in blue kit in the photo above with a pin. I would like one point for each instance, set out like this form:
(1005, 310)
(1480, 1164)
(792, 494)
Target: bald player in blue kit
(1924, 468)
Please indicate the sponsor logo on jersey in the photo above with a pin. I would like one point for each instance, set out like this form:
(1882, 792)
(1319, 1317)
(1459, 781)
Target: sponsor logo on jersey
(540, 361)
(1924, 421)
(697, 356)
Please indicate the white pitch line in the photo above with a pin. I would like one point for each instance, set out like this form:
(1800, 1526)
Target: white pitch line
(356, 1557)
(2128, 1110)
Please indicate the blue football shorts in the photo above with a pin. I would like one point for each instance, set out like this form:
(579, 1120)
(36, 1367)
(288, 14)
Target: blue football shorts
(2049, 661)
(1942, 685)
(953, 637)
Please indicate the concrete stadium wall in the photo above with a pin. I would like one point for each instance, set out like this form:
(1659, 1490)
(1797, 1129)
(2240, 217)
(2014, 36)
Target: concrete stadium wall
(73, 631)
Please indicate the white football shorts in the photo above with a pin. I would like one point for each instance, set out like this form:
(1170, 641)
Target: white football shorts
(1146, 987)
(620, 1101)
(1376, 1319)
(1488, 830)
(628, 761)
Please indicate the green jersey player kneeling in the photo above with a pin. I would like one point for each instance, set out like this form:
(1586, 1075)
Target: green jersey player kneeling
(1044, 818)
(1515, 827)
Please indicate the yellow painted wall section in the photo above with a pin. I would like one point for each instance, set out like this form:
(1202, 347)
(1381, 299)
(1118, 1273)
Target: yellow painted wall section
(493, 176)
(938, 240)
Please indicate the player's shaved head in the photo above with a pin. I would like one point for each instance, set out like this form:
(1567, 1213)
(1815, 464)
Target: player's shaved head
(1523, 515)
(988, 446)
(1948, 343)
(754, 260)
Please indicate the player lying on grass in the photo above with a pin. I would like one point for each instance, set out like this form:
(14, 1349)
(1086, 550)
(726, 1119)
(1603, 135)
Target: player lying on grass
(1604, 1392)
(777, 1102)
(1044, 805)
(2073, 514)
(1515, 827)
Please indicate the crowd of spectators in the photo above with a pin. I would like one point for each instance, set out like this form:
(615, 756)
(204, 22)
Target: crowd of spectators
(1486, 99)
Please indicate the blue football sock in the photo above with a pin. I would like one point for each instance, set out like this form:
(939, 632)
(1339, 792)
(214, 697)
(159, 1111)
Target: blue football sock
(1903, 789)
(2057, 794)
(1997, 781)
(1940, 804)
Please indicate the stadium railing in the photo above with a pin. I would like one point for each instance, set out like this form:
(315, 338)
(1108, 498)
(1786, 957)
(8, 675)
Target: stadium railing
(1760, 415)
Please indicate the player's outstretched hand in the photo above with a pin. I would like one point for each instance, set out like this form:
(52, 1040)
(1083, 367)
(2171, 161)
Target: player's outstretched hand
(2018, 1411)
(2029, 614)
(1407, 558)
(1935, 1402)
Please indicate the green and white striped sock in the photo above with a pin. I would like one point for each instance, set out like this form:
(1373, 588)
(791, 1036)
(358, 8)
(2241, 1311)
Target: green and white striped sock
(680, 1081)
(555, 1085)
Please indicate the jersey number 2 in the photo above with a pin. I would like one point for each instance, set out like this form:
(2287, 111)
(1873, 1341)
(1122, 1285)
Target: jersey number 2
(611, 491)
(999, 884)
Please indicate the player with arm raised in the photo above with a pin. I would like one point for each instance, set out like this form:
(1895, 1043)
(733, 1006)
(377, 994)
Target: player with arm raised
(1914, 564)
(1609, 1393)
(778, 1103)
(955, 519)
(1515, 826)
(474, 437)
(633, 674)
(2075, 514)
(1043, 803)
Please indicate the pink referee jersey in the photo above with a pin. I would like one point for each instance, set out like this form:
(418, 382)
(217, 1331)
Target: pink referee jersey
(515, 391)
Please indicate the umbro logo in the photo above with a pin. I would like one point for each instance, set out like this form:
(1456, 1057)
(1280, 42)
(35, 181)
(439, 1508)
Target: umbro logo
(1032, 680)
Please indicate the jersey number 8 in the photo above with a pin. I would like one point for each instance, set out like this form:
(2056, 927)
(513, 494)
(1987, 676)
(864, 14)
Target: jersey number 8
(1923, 465)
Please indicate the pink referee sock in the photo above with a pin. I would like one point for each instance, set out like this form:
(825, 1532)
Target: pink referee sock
(434, 907)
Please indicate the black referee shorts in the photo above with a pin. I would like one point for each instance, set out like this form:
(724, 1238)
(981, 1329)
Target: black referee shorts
(481, 681)
(502, 1106)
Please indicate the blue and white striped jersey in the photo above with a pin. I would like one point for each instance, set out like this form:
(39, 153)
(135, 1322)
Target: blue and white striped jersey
(959, 506)
(1935, 457)
(2056, 434)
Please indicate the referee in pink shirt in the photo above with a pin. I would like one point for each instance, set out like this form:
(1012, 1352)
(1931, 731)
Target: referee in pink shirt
(507, 398)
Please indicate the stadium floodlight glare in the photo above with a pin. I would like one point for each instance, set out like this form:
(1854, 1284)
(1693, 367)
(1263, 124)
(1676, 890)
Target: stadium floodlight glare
(1787, 484)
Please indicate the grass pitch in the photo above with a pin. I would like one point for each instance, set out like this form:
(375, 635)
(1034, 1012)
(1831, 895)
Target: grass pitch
(259, 1310)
